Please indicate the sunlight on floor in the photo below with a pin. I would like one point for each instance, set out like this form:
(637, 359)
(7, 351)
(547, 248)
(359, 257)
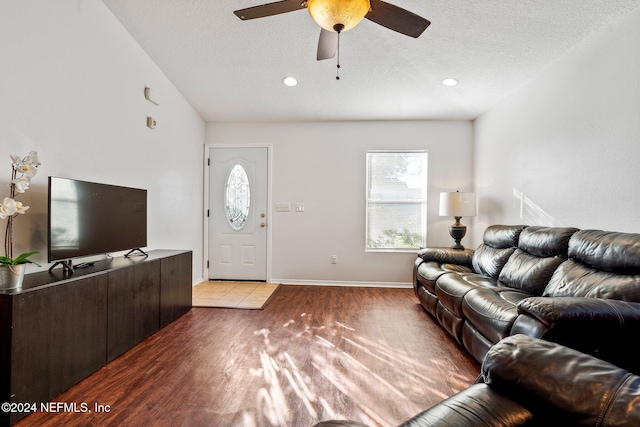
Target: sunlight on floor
(337, 354)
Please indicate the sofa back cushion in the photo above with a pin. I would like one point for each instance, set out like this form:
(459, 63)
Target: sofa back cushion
(545, 242)
(540, 251)
(499, 242)
(601, 265)
(607, 251)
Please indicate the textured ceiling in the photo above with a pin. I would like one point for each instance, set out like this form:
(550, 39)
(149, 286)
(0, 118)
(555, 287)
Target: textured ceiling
(231, 70)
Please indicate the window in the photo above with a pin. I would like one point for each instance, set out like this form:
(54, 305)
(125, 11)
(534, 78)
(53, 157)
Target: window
(237, 196)
(396, 200)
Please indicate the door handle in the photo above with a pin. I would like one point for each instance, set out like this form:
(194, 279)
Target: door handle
(262, 224)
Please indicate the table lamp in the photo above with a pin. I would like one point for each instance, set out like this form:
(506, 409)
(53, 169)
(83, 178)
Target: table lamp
(457, 205)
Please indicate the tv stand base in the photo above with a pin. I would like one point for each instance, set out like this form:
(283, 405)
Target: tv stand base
(136, 250)
(67, 266)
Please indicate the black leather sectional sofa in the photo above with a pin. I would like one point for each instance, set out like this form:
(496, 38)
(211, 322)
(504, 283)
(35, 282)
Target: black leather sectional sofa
(579, 288)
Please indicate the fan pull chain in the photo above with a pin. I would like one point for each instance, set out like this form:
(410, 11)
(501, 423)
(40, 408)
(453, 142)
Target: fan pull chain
(338, 64)
(338, 29)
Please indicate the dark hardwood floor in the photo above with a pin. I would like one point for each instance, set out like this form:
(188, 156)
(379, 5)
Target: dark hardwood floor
(313, 353)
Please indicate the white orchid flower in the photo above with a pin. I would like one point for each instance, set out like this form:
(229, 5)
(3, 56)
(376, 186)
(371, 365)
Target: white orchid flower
(20, 208)
(27, 166)
(7, 208)
(22, 172)
(26, 169)
(22, 183)
(32, 158)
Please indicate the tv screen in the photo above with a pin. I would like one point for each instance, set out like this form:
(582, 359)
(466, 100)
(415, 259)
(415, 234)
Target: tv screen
(87, 218)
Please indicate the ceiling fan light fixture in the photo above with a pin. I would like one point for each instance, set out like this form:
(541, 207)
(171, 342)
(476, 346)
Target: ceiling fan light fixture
(331, 14)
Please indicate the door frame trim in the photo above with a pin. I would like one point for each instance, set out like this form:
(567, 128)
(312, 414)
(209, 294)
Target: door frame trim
(207, 173)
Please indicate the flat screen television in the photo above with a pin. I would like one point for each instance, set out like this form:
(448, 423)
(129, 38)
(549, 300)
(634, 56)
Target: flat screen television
(88, 218)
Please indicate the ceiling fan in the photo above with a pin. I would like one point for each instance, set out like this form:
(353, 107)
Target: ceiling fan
(336, 16)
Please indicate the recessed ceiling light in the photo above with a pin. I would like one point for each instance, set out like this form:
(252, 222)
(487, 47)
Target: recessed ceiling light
(290, 81)
(449, 82)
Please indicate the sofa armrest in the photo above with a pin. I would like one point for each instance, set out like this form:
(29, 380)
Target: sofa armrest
(561, 384)
(473, 406)
(447, 255)
(602, 327)
(559, 311)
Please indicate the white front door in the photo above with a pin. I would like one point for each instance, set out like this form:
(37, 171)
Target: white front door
(238, 213)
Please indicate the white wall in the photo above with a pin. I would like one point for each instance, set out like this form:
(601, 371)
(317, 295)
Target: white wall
(323, 166)
(72, 88)
(567, 144)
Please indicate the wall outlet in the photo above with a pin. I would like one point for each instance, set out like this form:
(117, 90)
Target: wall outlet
(334, 259)
(283, 207)
(299, 207)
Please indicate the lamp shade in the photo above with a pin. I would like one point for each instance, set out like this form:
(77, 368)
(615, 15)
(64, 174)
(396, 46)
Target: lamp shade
(457, 204)
(344, 13)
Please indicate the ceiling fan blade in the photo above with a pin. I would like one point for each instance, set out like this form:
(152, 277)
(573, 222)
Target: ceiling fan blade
(327, 44)
(397, 19)
(269, 9)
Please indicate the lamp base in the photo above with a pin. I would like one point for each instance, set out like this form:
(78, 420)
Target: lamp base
(457, 232)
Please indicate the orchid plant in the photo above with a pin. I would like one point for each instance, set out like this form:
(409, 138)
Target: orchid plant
(23, 170)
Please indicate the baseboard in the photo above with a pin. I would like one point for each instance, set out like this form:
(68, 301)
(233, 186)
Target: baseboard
(402, 285)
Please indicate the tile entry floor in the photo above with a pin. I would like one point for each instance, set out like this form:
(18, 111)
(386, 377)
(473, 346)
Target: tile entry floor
(247, 295)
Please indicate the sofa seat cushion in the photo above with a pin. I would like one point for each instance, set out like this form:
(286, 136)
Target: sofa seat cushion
(451, 289)
(493, 311)
(430, 271)
(575, 279)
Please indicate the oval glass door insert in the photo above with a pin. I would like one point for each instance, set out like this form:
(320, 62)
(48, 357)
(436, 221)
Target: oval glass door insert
(237, 197)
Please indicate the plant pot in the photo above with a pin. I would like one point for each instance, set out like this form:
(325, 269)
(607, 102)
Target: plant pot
(11, 276)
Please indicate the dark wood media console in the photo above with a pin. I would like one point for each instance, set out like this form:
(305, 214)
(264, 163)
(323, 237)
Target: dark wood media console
(60, 327)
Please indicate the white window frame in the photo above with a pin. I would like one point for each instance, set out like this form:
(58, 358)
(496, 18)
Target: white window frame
(422, 200)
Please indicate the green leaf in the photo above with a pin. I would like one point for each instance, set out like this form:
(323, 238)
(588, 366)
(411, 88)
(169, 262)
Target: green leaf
(20, 259)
